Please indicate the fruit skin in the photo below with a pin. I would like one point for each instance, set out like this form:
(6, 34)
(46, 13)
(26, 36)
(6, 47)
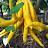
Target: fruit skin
(37, 32)
(7, 23)
(10, 36)
(46, 26)
(4, 34)
(37, 28)
(26, 17)
(2, 20)
(41, 20)
(47, 36)
(35, 37)
(26, 14)
(20, 13)
(10, 6)
(25, 33)
(16, 25)
(32, 11)
(43, 26)
(14, 16)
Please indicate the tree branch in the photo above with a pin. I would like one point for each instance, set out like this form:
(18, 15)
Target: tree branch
(37, 6)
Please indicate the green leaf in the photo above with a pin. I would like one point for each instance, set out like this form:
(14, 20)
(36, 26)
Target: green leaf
(10, 28)
(16, 8)
(20, 5)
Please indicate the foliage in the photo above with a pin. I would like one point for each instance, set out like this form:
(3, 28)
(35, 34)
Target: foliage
(16, 8)
(10, 28)
(5, 5)
(43, 5)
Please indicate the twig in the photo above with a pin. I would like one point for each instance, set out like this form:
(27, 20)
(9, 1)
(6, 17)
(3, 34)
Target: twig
(37, 6)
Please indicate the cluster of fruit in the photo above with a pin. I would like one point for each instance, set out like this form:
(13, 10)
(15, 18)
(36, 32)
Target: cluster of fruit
(25, 20)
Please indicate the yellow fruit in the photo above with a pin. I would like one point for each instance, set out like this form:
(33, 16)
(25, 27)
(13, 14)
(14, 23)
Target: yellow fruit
(7, 23)
(46, 26)
(43, 26)
(14, 16)
(47, 36)
(16, 25)
(10, 4)
(32, 11)
(37, 28)
(41, 20)
(20, 13)
(25, 33)
(4, 34)
(2, 20)
(10, 35)
(25, 20)
(35, 37)
(37, 32)
(26, 14)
